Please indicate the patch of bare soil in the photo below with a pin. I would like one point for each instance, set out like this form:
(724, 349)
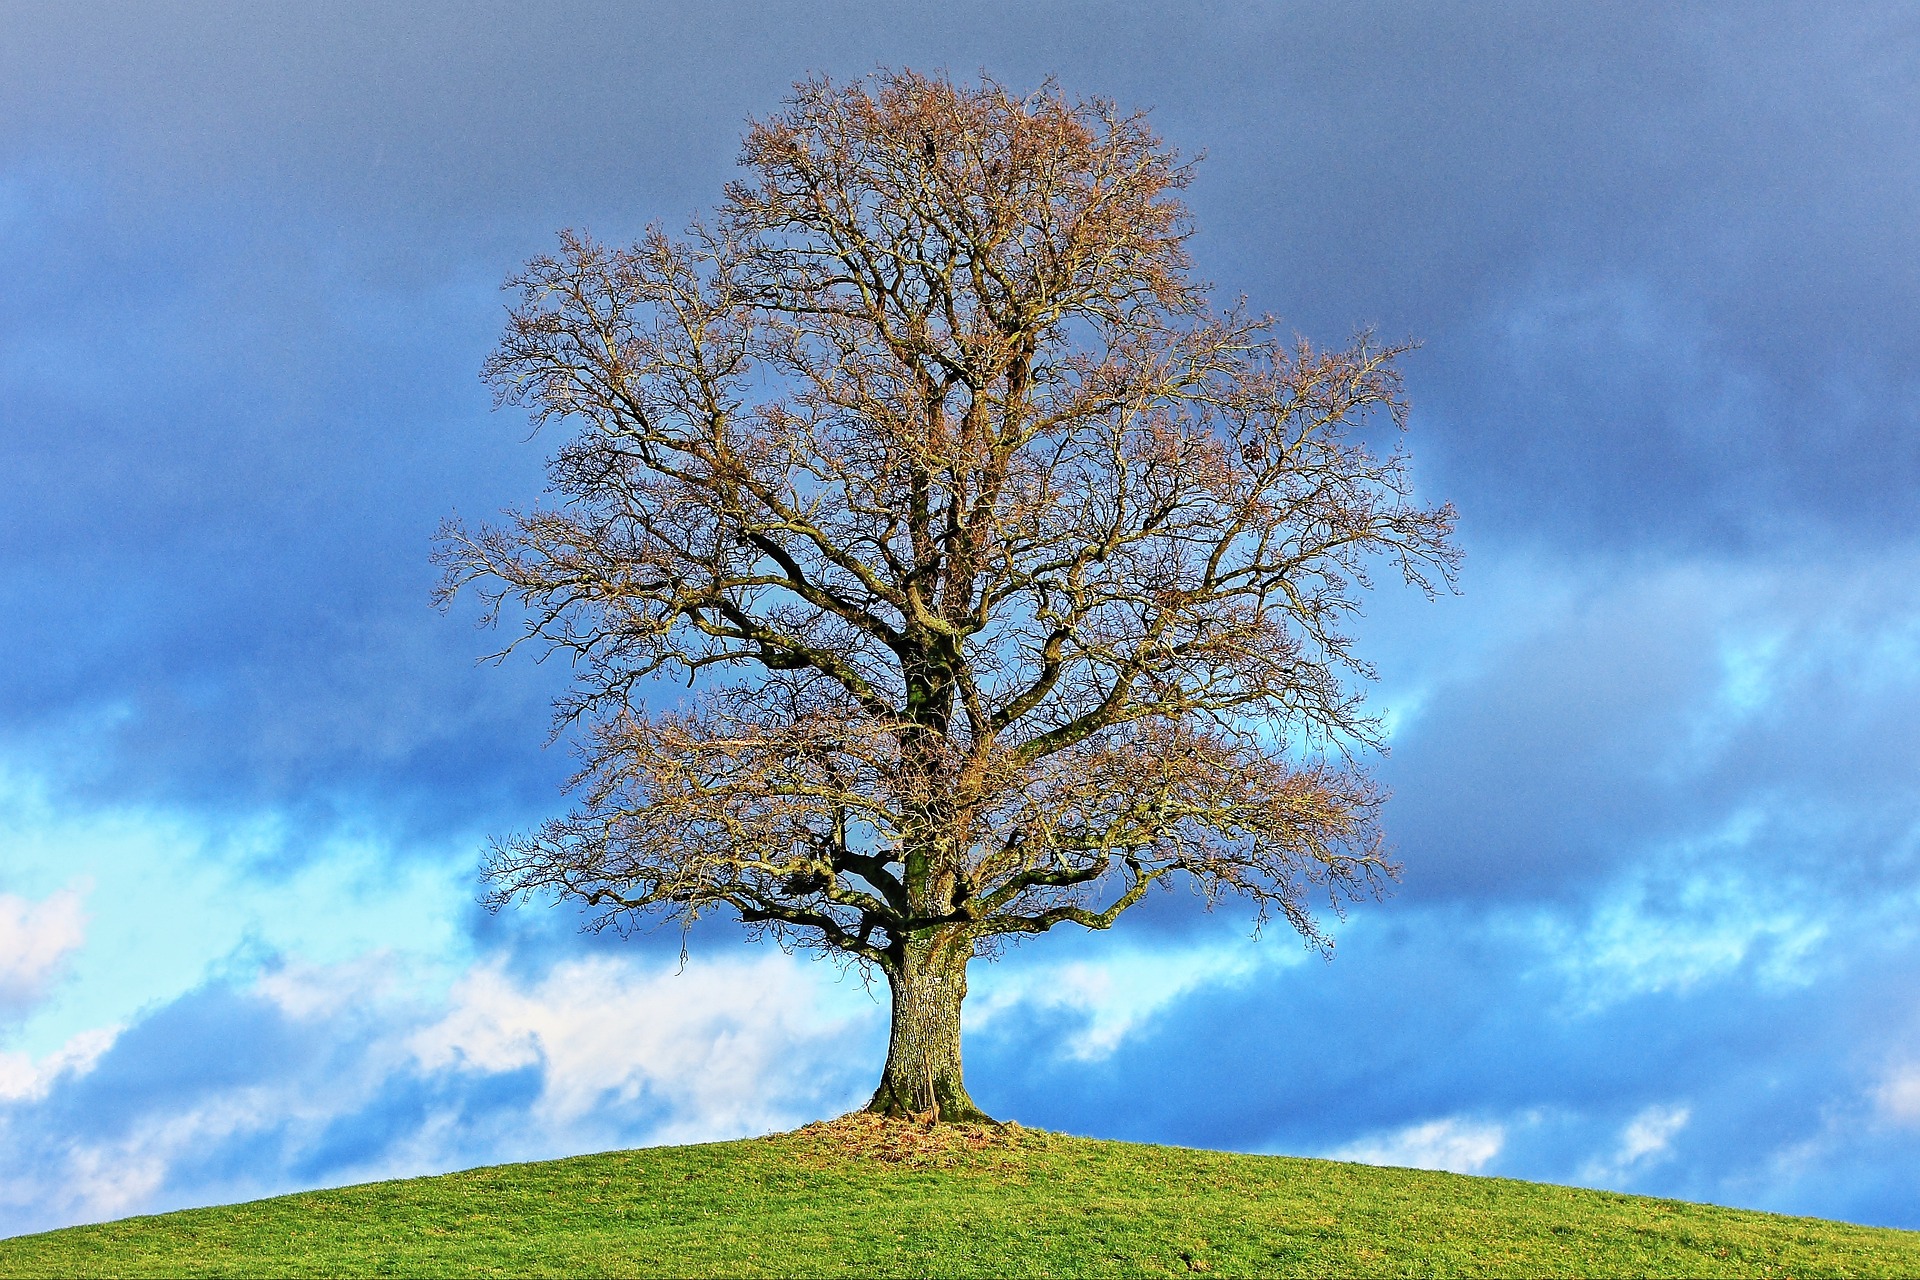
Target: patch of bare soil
(862, 1135)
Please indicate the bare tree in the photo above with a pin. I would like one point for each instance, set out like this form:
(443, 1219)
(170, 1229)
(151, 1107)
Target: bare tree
(1006, 579)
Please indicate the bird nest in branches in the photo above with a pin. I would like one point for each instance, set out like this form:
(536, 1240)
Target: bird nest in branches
(864, 1136)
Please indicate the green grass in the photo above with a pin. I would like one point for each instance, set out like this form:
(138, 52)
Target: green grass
(835, 1200)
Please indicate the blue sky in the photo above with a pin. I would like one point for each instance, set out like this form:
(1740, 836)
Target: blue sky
(1654, 767)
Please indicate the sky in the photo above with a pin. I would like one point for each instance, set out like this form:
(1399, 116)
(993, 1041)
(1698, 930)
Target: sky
(1653, 766)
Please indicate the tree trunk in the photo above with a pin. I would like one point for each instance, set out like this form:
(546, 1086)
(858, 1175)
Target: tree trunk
(923, 1054)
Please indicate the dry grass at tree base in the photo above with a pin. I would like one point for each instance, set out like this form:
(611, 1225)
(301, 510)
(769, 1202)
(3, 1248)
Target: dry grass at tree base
(921, 1143)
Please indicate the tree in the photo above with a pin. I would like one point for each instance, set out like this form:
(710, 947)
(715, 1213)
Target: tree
(1006, 579)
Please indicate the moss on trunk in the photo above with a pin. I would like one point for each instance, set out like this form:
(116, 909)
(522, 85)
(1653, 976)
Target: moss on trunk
(923, 1074)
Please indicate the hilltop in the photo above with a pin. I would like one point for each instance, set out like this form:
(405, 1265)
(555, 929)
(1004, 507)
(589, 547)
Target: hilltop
(864, 1197)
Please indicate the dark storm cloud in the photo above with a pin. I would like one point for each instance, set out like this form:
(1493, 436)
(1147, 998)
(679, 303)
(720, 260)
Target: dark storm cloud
(232, 461)
(1659, 254)
(1679, 198)
(250, 251)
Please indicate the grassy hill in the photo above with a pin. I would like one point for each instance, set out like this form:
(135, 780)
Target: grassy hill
(859, 1197)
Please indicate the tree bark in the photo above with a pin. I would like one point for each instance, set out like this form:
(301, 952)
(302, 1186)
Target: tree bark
(922, 1074)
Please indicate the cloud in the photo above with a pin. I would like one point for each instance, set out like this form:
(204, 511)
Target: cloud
(320, 1075)
(252, 258)
(1660, 712)
(1111, 998)
(1448, 1013)
(234, 612)
(711, 1046)
(1650, 1133)
(180, 896)
(1646, 1139)
(1702, 910)
(35, 939)
(22, 1078)
(1898, 1096)
(1455, 1144)
(1676, 927)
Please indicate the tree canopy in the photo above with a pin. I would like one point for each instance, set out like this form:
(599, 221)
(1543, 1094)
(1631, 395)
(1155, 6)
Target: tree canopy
(937, 563)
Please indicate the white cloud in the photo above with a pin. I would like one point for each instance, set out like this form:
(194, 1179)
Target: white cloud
(1115, 994)
(1455, 1144)
(1651, 1133)
(726, 1048)
(108, 1179)
(1673, 932)
(305, 991)
(1645, 1140)
(717, 1042)
(35, 938)
(180, 899)
(23, 1079)
(1899, 1095)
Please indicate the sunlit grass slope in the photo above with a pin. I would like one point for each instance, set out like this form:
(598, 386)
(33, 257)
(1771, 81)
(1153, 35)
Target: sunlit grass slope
(861, 1198)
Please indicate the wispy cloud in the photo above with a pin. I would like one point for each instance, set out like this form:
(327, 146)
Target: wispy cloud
(24, 1078)
(1898, 1095)
(1111, 997)
(712, 1046)
(1455, 1144)
(36, 938)
(1645, 1140)
(328, 1074)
